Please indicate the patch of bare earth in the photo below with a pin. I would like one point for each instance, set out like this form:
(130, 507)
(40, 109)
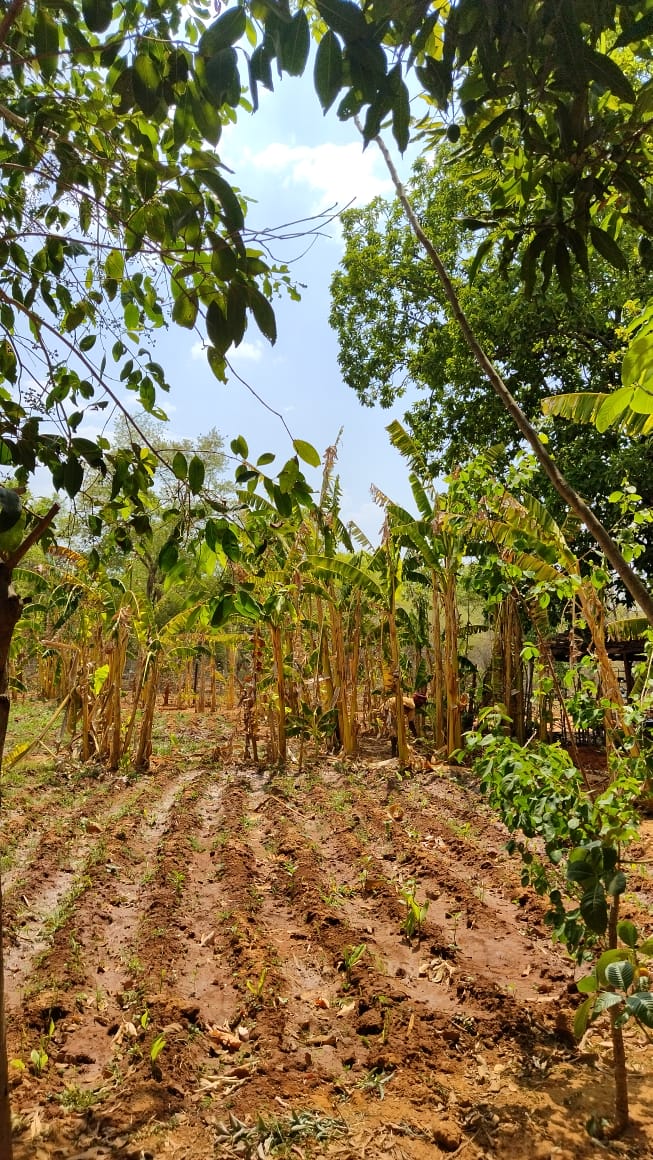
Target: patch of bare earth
(220, 962)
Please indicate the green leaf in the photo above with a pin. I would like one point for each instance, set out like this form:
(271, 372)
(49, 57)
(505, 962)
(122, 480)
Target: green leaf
(617, 884)
(628, 933)
(647, 947)
(10, 508)
(223, 610)
(582, 1017)
(605, 1000)
(146, 178)
(594, 909)
(246, 606)
(265, 458)
(97, 14)
(217, 327)
(179, 465)
(606, 246)
(224, 31)
(233, 216)
(588, 985)
(184, 311)
(263, 313)
(168, 556)
(327, 74)
(401, 117)
(613, 407)
(607, 73)
(638, 30)
(239, 447)
(196, 473)
(344, 18)
(637, 367)
(620, 974)
(306, 452)
(46, 42)
(222, 78)
(294, 44)
(73, 475)
(641, 1006)
(147, 83)
(616, 955)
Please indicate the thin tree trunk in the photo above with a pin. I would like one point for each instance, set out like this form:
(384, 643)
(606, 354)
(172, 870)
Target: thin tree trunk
(630, 579)
(10, 610)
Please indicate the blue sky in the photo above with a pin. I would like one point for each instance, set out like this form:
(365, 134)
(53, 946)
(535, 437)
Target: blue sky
(294, 162)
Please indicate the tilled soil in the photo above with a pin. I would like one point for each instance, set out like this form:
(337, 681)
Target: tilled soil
(220, 961)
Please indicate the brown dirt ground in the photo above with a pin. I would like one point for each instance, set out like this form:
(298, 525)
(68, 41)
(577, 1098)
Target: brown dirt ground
(214, 904)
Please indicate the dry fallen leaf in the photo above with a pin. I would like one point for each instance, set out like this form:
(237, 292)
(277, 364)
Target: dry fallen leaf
(225, 1037)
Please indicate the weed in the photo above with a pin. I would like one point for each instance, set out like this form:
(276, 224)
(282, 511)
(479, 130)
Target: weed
(177, 878)
(376, 1081)
(78, 1099)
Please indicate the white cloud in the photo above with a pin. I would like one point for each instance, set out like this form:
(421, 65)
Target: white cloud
(246, 352)
(339, 174)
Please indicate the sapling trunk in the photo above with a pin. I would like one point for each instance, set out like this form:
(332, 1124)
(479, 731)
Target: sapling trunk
(621, 1110)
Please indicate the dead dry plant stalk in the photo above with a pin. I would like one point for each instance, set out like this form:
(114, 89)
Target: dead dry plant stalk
(144, 748)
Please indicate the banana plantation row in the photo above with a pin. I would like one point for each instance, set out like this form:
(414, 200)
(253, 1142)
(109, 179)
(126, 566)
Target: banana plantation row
(277, 607)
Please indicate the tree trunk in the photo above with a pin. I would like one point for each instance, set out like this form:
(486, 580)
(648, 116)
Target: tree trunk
(10, 610)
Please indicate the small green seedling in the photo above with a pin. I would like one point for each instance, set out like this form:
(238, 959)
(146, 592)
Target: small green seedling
(415, 911)
(257, 988)
(351, 956)
(157, 1047)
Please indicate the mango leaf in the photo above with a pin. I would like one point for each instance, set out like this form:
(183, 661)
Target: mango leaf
(620, 974)
(641, 1006)
(196, 473)
(327, 74)
(306, 452)
(607, 73)
(606, 246)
